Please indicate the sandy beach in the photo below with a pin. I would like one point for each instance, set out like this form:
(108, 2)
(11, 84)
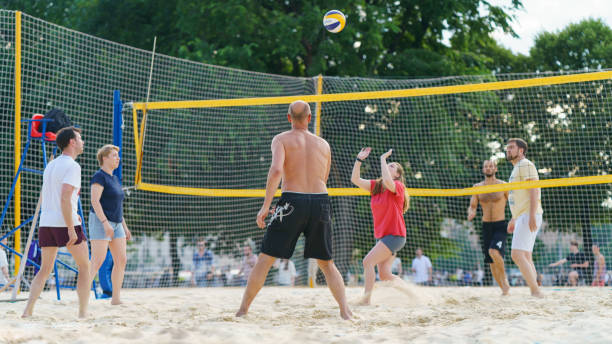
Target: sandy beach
(303, 315)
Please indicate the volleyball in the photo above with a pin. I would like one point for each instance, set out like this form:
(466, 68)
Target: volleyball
(334, 21)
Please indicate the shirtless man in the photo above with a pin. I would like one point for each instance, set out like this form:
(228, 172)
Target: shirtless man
(302, 160)
(493, 224)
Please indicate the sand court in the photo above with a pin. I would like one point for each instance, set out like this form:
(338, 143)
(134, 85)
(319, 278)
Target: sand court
(303, 315)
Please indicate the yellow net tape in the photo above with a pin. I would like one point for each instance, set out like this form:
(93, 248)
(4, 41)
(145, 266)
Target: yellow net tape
(413, 92)
(548, 183)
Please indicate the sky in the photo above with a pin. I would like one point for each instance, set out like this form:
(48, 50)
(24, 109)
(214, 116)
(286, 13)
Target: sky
(549, 15)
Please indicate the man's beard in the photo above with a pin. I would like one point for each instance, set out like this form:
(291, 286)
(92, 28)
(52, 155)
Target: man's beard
(489, 175)
(509, 157)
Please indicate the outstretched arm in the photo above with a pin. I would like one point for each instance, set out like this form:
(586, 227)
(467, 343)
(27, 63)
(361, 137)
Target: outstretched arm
(356, 175)
(557, 263)
(274, 177)
(386, 174)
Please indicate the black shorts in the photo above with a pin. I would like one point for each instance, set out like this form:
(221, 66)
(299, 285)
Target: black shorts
(494, 236)
(298, 213)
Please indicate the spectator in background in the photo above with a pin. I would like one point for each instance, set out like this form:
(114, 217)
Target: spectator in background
(422, 269)
(5, 277)
(578, 264)
(467, 278)
(203, 269)
(478, 276)
(248, 262)
(286, 273)
(599, 267)
(396, 267)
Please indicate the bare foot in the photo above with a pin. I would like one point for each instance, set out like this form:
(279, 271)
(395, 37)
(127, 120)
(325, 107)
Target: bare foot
(26, 315)
(83, 315)
(241, 313)
(538, 294)
(365, 300)
(116, 303)
(346, 314)
(505, 291)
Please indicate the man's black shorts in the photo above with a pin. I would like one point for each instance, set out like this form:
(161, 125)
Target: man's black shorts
(494, 236)
(298, 213)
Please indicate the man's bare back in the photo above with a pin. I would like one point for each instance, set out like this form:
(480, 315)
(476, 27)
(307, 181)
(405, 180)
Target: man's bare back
(307, 161)
(493, 204)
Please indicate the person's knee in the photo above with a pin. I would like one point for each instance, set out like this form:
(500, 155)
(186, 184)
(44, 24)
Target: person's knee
(367, 263)
(83, 265)
(325, 265)
(120, 260)
(45, 270)
(516, 256)
(96, 262)
(494, 254)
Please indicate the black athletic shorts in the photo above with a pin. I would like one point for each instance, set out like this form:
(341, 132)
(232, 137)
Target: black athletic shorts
(298, 213)
(494, 236)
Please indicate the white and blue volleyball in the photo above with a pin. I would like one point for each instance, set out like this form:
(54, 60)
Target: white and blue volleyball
(334, 21)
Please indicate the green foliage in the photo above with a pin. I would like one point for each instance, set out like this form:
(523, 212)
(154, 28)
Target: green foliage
(587, 44)
(385, 38)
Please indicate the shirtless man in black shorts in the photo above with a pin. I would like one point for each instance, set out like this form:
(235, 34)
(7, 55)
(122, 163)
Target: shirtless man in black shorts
(302, 160)
(494, 224)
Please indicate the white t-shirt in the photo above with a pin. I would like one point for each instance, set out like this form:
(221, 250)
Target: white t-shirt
(62, 170)
(3, 263)
(395, 266)
(284, 276)
(421, 267)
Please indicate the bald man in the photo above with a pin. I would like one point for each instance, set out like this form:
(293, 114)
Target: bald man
(493, 224)
(302, 160)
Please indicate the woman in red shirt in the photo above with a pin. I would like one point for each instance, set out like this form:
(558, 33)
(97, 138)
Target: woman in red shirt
(389, 202)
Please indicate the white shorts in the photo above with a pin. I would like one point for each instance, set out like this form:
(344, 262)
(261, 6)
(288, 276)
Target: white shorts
(524, 238)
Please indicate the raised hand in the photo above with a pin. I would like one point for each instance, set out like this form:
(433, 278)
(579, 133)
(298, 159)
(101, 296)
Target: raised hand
(386, 155)
(364, 153)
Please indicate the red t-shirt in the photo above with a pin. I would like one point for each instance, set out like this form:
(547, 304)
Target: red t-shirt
(388, 211)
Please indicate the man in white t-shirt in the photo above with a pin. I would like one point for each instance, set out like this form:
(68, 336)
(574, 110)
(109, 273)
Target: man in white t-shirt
(60, 224)
(286, 273)
(421, 266)
(526, 209)
(5, 277)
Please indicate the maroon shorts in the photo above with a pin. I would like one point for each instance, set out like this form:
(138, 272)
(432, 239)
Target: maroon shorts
(58, 236)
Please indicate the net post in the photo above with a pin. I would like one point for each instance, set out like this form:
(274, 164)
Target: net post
(118, 130)
(17, 148)
(136, 145)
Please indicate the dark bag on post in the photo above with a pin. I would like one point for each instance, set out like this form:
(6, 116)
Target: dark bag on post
(58, 121)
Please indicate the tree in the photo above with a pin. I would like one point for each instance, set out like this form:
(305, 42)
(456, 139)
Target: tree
(587, 44)
(386, 38)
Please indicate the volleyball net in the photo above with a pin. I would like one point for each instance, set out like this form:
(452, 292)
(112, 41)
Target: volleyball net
(196, 156)
(441, 131)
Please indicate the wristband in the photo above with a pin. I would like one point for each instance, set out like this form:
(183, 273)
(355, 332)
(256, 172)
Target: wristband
(359, 160)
